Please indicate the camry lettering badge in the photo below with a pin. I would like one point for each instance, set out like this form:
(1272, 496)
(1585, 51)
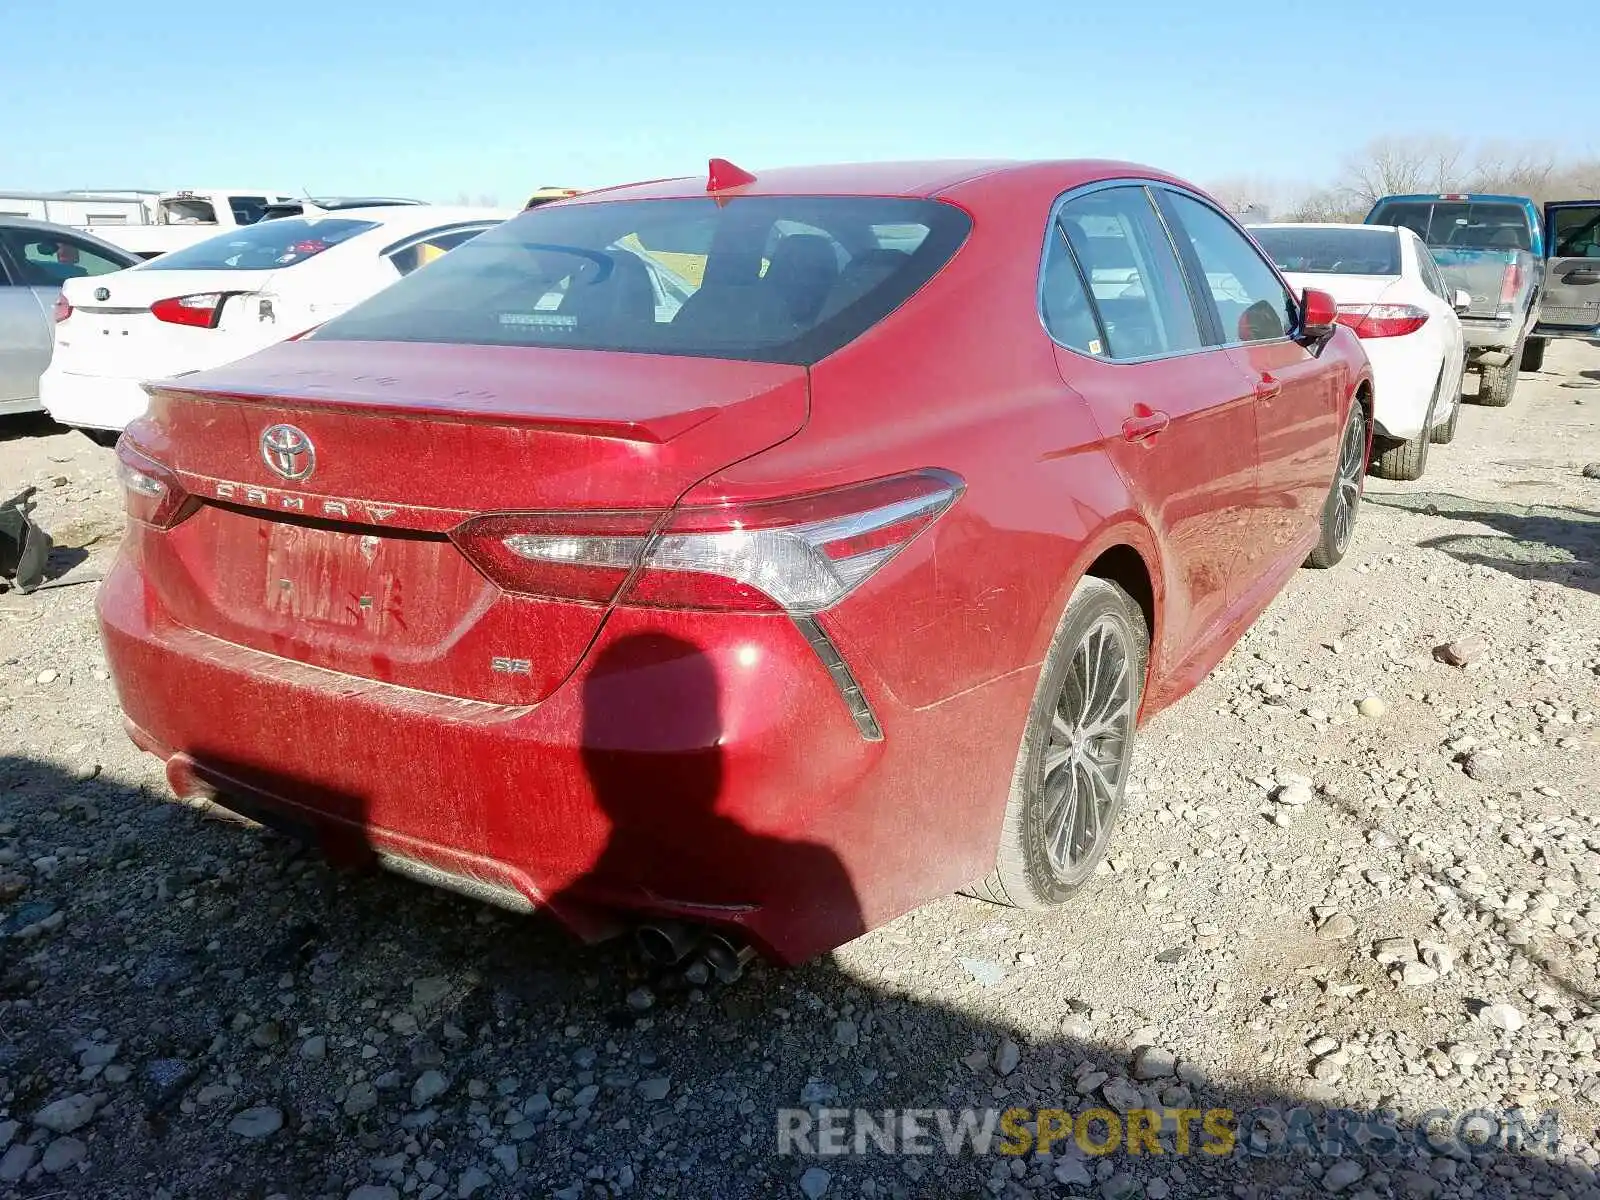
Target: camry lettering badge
(288, 452)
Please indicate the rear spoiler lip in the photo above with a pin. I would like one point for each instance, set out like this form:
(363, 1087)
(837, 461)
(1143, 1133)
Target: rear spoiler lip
(657, 431)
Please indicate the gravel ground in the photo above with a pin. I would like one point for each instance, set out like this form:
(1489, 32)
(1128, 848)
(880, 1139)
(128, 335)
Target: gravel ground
(1350, 875)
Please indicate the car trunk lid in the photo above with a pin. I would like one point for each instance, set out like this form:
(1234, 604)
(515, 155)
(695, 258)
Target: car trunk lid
(1482, 274)
(1346, 289)
(340, 557)
(113, 333)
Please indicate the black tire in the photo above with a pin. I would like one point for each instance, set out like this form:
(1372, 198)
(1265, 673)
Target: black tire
(1034, 869)
(101, 437)
(1396, 459)
(1444, 434)
(1343, 505)
(1496, 385)
(1533, 354)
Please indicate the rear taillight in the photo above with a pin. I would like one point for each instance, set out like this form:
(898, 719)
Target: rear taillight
(798, 555)
(1382, 320)
(63, 310)
(202, 310)
(150, 492)
(1510, 284)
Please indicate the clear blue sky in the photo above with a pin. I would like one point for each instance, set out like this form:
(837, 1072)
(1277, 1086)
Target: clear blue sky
(497, 97)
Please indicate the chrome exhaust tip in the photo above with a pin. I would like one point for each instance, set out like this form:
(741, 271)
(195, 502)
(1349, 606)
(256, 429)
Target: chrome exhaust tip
(726, 959)
(666, 943)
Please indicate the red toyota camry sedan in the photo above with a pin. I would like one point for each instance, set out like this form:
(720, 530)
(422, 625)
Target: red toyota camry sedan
(759, 555)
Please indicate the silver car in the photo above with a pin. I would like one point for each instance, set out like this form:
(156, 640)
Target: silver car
(35, 259)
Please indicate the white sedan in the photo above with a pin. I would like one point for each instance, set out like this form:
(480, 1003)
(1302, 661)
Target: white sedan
(1391, 293)
(229, 296)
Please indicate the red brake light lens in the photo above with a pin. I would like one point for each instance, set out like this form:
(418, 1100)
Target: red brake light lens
(63, 310)
(585, 557)
(150, 492)
(202, 310)
(1382, 320)
(1510, 282)
(799, 555)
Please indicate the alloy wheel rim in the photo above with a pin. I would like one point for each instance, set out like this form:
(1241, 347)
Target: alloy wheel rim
(1348, 483)
(1085, 760)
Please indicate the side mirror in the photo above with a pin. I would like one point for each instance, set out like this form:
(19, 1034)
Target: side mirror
(1462, 301)
(1319, 313)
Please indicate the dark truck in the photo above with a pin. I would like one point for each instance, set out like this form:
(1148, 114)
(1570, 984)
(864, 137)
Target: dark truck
(1531, 276)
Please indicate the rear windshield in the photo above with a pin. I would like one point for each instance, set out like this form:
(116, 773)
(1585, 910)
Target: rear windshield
(1331, 251)
(1468, 225)
(764, 278)
(269, 246)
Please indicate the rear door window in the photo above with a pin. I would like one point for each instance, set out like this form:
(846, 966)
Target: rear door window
(49, 260)
(268, 246)
(762, 278)
(1110, 268)
(436, 245)
(1429, 270)
(1251, 302)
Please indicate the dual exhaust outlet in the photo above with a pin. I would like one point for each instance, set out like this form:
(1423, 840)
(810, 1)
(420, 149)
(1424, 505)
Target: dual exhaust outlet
(700, 954)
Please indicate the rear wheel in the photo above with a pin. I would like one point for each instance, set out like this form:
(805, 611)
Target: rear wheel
(1408, 459)
(1072, 769)
(1533, 354)
(1496, 385)
(1446, 433)
(1344, 494)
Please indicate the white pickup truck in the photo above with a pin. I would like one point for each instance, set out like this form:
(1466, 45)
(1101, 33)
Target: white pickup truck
(147, 223)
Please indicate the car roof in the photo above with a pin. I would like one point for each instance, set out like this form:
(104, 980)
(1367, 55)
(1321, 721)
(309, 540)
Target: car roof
(1318, 225)
(1458, 197)
(905, 179)
(416, 216)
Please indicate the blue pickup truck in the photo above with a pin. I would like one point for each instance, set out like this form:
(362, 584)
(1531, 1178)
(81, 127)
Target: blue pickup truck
(1532, 275)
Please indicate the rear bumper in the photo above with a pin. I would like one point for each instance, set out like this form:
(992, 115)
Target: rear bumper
(1486, 336)
(92, 401)
(28, 404)
(695, 766)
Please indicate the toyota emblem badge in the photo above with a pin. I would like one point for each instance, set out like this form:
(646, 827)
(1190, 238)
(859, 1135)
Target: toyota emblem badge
(288, 452)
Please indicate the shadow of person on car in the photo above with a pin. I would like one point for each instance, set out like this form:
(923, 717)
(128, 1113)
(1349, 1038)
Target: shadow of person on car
(654, 747)
(1547, 542)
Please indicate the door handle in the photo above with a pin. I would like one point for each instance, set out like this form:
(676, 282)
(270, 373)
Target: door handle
(1144, 427)
(1268, 388)
(1581, 277)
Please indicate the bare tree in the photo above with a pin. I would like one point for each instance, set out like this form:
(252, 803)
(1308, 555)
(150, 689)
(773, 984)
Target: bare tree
(1325, 204)
(1575, 181)
(1398, 165)
(1242, 193)
(1514, 169)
